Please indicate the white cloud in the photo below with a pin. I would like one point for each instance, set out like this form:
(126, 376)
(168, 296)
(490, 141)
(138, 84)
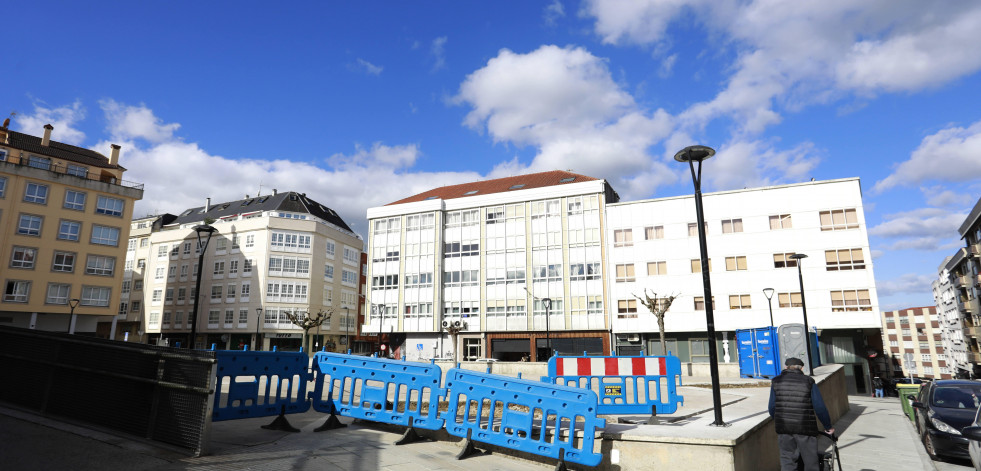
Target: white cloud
(909, 283)
(367, 67)
(553, 11)
(951, 154)
(743, 164)
(438, 51)
(921, 229)
(564, 102)
(667, 65)
(791, 54)
(135, 122)
(942, 197)
(62, 118)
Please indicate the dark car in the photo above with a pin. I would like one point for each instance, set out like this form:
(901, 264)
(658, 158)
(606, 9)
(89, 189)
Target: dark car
(943, 408)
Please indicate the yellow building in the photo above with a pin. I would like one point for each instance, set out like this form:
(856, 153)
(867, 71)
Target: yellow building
(65, 216)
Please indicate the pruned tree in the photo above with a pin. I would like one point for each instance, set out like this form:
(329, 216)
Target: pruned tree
(454, 328)
(307, 322)
(659, 307)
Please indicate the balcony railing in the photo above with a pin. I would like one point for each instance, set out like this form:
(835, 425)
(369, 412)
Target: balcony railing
(79, 171)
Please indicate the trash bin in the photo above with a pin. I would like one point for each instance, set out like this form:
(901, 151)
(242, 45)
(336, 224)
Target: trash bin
(905, 390)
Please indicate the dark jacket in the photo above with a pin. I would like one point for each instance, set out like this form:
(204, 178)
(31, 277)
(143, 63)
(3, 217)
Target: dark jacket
(794, 400)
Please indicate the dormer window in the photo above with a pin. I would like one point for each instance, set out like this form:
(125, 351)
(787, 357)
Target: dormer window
(517, 187)
(471, 192)
(431, 198)
(567, 180)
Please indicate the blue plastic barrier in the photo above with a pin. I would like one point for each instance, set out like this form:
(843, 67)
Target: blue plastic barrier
(624, 385)
(530, 416)
(378, 389)
(260, 384)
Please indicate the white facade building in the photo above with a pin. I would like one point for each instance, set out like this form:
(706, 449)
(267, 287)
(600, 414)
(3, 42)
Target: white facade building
(270, 255)
(751, 234)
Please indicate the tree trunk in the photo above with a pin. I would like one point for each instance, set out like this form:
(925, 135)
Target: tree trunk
(660, 327)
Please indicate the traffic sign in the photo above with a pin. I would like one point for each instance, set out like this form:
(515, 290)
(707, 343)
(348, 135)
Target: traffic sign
(383, 347)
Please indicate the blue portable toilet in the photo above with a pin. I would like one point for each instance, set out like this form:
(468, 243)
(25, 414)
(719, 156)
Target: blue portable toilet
(759, 354)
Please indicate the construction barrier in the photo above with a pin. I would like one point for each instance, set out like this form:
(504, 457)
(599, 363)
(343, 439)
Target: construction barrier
(260, 384)
(378, 389)
(624, 385)
(550, 420)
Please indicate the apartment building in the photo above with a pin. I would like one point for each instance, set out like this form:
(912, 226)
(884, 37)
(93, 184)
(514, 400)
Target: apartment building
(509, 266)
(956, 292)
(751, 235)
(64, 214)
(270, 255)
(912, 342)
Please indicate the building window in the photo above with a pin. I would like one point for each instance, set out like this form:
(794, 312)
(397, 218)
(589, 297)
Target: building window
(625, 273)
(739, 301)
(69, 230)
(290, 242)
(17, 291)
(783, 260)
(221, 244)
(905, 332)
(732, 225)
(627, 308)
(700, 303)
(74, 200)
(657, 268)
(162, 251)
(95, 296)
(135, 306)
(780, 221)
(789, 299)
(77, 170)
(655, 232)
(159, 275)
(216, 293)
(349, 277)
(699, 350)
(839, 219)
(213, 315)
(3, 185)
(187, 248)
(181, 295)
(104, 235)
(245, 291)
(328, 272)
(229, 316)
(851, 300)
(737, 263)
(23, 257)
(233, 267)
(36, 193)
(109, 206)
(693, 229)
(584, 271)
(29, 224)
(623, 237)
(243, 317)
(100, 265)
(247, 266)
(250, 241)
(42, 163)
(169, 296)
(219, 268)
(351, 256)
(63, 262)
(696, 265)
(844, 259)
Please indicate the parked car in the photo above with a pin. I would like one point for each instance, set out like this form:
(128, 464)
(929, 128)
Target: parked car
(973, 435)
(943, 408)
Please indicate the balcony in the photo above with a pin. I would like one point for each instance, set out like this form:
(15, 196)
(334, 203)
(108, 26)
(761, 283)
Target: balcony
(974, 250)
(962, 281)
(973, 357)
(61, 169)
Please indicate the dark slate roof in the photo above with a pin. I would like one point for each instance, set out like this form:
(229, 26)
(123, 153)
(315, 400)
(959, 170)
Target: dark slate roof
(971, 220)
(499, 185)
(32, 144)
(290, 201)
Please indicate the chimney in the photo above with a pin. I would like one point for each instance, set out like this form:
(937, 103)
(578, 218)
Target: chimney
(114, 154)
(275, 191)
(47, 135)
(207, 205)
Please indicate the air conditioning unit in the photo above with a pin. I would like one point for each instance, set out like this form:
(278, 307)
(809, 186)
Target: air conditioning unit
(458, 324)
(446, 324)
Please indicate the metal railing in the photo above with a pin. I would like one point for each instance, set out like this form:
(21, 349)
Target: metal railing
(63, 169)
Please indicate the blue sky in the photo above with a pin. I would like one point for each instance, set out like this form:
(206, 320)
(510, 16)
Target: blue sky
(359, 104)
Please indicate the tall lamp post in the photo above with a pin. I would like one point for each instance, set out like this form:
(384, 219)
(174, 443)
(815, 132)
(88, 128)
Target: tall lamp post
(692, 154)
(547, 304)
(257, 346)
(381, 324)
(803, 306)
(768, 292)
(204, 232)
(72, 303)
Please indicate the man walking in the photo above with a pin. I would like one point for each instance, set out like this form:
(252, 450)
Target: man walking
(794, 400)
(877, 385)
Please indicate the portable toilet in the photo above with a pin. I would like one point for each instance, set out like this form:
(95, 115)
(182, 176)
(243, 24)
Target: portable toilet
(792, 344)
(758, 352)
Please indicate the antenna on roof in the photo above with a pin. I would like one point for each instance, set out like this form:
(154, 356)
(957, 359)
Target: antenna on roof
(259, 193)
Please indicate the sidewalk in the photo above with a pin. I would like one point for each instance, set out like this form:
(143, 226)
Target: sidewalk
(873, 435)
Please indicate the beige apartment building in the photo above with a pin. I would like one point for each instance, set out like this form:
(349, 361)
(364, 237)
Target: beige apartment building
(64, 220)
(911, 340)
(269, 255)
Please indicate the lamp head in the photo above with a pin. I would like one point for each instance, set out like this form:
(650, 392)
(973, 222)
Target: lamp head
(258, 310)
(694, 153)
(547, 303)
(798, 256)
(768, 292)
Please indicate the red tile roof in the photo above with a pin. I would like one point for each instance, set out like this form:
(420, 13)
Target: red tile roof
(499, 185)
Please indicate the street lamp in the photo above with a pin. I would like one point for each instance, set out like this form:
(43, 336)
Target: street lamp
(204, 232)
(547, 304)
(72, 303)
(768, 292)
(381, 324)
(692, 154)
(803, 306)
(257, 345)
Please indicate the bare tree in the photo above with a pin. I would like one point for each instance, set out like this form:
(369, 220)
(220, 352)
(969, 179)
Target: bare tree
(306, 323)
(453, 329)
(659, 307)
